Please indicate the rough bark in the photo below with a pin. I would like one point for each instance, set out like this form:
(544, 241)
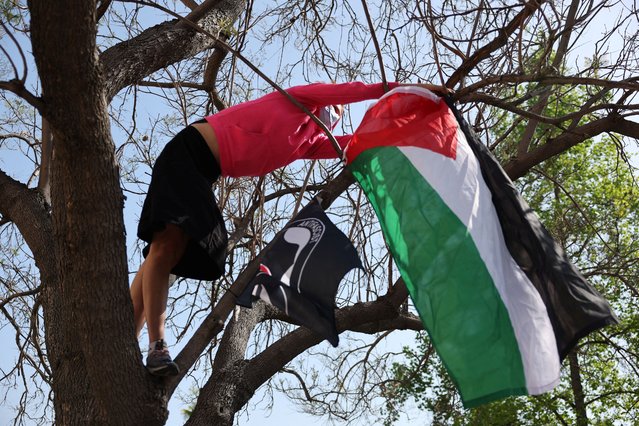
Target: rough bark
(235, 380)
(80, 247)
(90, 295)
(577, 389)
(218, 399)
(129, 62)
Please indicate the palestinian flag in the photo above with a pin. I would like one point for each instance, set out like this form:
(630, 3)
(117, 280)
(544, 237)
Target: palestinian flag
(500, 300)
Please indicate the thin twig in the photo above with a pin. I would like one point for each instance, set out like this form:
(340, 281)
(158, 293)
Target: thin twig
(304, 185)
(24, 59)
(376, 43)
(8, 299)
(484, 52)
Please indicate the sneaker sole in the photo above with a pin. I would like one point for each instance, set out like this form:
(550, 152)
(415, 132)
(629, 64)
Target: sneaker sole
(170, 369)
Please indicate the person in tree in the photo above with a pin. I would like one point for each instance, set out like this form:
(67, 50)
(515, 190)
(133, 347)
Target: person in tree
(180, 219)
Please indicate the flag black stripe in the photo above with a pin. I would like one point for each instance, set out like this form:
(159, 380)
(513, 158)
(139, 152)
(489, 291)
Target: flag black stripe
(574, 306)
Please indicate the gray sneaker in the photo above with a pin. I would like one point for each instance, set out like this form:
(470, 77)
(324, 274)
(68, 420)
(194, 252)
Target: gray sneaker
(159, 362)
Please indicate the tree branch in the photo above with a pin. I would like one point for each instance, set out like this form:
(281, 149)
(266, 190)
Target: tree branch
(44, 181)
(510, 106)
(17, 87)
(4, 301)
(370, 317)
(190, 4)
(130, 61)
(627, 84)
(210, 76)
(527, 136)
(460, 73)
(200, 11)
(102, 8)
(376, 44)
(519, 166)
(28, 210)
(300, 379)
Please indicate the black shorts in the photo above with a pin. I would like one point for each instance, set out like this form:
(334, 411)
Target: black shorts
(180, 193)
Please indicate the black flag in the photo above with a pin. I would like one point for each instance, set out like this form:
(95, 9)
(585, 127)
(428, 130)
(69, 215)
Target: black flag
(301, 271)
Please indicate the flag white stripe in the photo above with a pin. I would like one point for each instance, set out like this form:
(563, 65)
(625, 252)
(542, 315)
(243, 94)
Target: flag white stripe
(470, 200)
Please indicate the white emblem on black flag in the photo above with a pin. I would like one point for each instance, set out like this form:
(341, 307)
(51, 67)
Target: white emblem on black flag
(302, 270)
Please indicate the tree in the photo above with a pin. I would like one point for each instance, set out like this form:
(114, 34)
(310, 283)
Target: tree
(78, 125)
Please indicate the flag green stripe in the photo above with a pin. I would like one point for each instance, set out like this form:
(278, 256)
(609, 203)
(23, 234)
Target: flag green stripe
(455, 295)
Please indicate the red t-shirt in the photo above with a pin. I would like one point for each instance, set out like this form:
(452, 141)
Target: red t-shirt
(259, 136)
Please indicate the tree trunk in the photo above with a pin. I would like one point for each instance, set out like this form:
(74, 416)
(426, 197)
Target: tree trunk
(98, 376)
(577, 389)
(97, 372)
(235, 380)
(225, 392)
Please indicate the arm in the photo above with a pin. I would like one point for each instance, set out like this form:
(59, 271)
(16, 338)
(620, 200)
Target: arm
(438, 90)
(322, 94)
(323, 149)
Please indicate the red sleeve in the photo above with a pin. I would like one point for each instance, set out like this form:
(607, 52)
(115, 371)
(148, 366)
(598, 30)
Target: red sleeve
(322, 94)
(323, 148)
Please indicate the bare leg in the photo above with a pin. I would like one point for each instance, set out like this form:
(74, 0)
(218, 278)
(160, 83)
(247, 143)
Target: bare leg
(138, 301)
(166, 250)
